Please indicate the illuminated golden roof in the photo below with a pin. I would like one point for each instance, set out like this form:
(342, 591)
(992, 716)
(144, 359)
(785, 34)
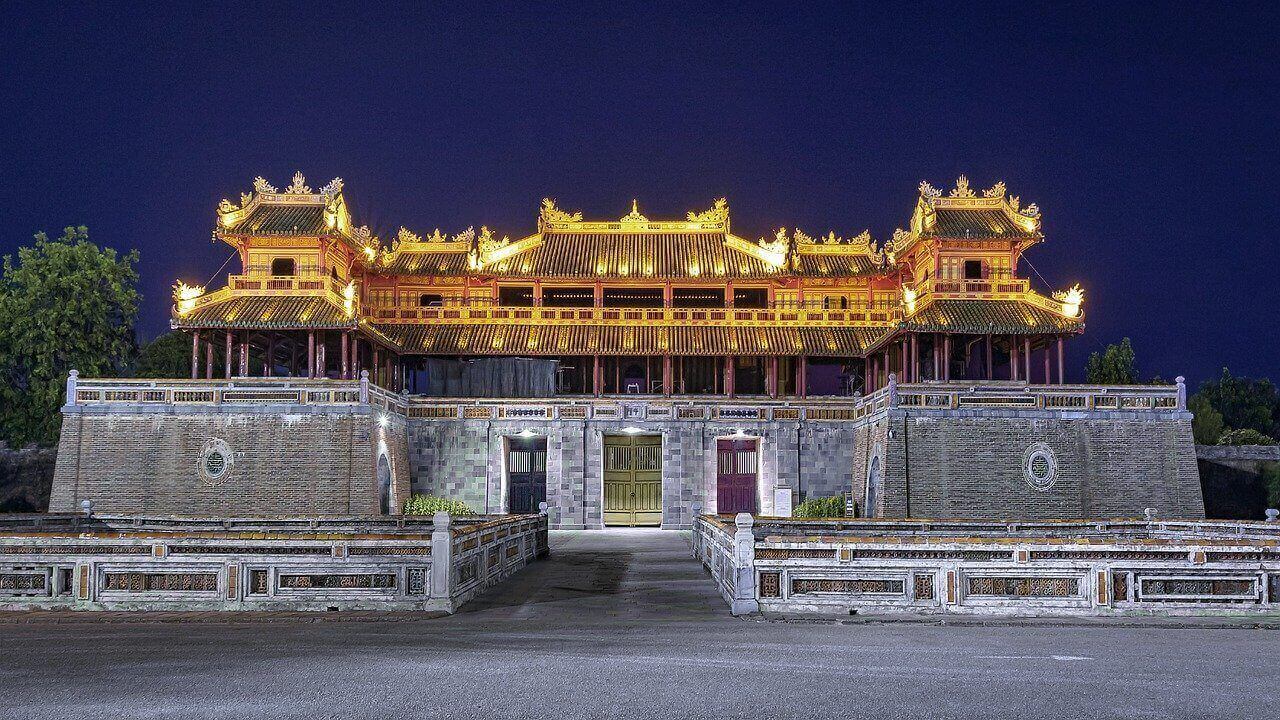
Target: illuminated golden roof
(528, 339)
(989, 316)
(267, 311)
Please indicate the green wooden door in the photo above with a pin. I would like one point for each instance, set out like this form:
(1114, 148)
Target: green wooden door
(633, 480)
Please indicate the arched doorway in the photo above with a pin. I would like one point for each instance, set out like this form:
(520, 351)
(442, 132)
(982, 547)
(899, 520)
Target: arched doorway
(384, 485)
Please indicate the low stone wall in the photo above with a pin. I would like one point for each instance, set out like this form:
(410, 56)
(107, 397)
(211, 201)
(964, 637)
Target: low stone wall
(26, 476)
(1106, 567)
(136, 563)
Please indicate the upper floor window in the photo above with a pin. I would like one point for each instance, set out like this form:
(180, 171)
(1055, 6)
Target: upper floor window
(430, 300)
(751, 298)
(632, 298)
(972, 269)
(569, 297)
(515, 296)
(282, 266)
(697, 297)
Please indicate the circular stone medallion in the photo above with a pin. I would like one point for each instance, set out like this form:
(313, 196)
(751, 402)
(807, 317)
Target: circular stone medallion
(1040, 466)
(215, 461)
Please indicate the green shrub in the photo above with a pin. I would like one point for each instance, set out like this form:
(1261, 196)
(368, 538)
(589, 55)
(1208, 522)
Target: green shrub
(1245, 436)
(832, 507)
(1271, 476)
(430, 505)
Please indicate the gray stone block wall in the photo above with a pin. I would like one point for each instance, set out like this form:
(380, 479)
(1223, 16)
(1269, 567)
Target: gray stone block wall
(970, 464)
(286, 460)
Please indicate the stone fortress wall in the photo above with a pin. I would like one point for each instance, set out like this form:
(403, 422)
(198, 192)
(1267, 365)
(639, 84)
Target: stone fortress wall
(995, 450)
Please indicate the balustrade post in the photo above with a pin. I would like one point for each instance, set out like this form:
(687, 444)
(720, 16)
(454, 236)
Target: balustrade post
(364, 387)
(744, 566)
(442, 559)
(71, 386)
(893, 390)
(1182, 392)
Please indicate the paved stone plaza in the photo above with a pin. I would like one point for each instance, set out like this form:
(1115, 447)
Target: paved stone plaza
(624, 623)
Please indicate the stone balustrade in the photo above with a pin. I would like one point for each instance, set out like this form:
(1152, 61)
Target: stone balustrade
(1101, 567)
(89, 562)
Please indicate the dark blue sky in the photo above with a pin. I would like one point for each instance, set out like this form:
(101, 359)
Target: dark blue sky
(1148, 134)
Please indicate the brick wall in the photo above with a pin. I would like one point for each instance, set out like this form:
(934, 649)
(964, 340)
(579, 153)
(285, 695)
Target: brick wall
(146, 460)
(968, 464)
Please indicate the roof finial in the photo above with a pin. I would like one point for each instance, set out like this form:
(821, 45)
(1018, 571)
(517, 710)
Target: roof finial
(634, 215)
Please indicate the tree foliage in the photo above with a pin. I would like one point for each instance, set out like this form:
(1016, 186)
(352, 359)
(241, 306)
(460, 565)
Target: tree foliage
(1113, 366)
(167, 356)
(64, 304)
(1206, 423)
(1244, 403)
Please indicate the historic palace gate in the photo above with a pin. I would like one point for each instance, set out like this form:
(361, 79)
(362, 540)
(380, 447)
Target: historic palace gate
(737, 462)
(526, 474)
(633, 480)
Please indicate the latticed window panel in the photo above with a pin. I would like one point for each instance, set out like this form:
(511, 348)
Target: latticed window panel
(346, 581)
(793, 554)
(136, 582)
(257, 582)
(770, 584)
(23, 583)
(924, 587)
(417, 580)
(1119, 586)
(847, 586)
(467, 572)
(1199, 588)
(1050, 587)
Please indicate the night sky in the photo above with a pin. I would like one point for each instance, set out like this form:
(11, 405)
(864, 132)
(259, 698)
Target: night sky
(1147, 134)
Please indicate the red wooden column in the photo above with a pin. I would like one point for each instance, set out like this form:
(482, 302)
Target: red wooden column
(730, 367)
(667, 380)
(376, 366)
(990, 361)
(946, 358)
(208, 357)
(1026, 355)
(771, 381)
(1013, 357)
(195, 354)
(915, 357)
(322, 361)
(802, 376)
(903, 366)
(1047, 378)
(229, 353)
(346, 356)
(1062, 378)
(269, 365)
(354, 363)
(311, 353)
(244, 355)
(596, 377)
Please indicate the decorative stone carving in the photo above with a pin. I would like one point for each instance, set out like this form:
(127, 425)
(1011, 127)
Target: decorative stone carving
(333, 188)
(962, 189)
(215, 462)
(994, 191)
(928, 190)
(260, 185)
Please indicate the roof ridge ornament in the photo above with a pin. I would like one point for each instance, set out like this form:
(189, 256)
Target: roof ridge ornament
(717, 213)
(962, 189)
(634, 216)
(298, 186)
(995, 191)
(549, 212)
(260, 185)
(333, 188)
(929, 191)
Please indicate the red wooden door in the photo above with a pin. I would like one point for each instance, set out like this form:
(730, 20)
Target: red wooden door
(736, 472)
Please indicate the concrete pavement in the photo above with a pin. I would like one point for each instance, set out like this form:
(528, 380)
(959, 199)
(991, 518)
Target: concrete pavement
(626, 624)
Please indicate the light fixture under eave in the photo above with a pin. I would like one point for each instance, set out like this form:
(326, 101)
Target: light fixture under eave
(383, 421)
